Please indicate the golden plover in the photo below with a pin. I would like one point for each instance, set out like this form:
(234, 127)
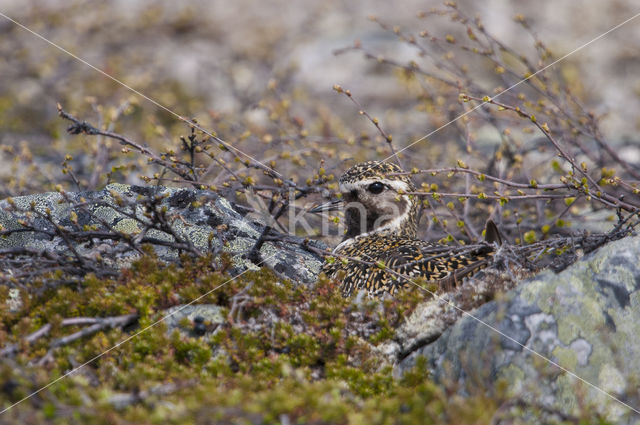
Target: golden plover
(381, 226)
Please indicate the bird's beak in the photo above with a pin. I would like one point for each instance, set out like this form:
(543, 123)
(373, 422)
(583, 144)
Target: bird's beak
(329, 206)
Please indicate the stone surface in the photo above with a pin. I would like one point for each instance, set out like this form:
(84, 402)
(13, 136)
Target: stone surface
(432, 317)
(585, 319)
(185, 318)
(208, 221)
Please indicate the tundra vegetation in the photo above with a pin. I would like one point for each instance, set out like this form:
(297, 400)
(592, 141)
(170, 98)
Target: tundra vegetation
(533, 158)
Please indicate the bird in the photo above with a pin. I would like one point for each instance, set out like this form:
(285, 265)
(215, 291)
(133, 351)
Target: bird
(380, 252)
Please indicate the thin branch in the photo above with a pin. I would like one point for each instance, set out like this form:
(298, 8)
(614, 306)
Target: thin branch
(376, 123)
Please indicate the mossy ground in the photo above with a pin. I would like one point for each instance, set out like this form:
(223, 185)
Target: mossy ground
(285, 353)
(305, 353)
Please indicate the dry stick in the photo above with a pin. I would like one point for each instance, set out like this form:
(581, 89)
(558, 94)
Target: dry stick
(84, 127)
(69, 171)
(485, 196)
(383, 60)
(222, 164)
(544, 131)
(558, 216)
(122, 400)
(11, 349)
(444, 228)
(70, 237)
(490, 53)
(20, 250)
(64, 234)
(159, 216)
(254, 253)
(109, 322)
(491, 49)
(413, 67)
(455, 69)
(600, 195)
(551, 97)
(469, 227)
(112, 233)
(161, 180)
(98, 323)
(219, 162)
(627, 167)
(102, 151)
(58, 231)
(483, 176)
(238, 301)
(448, 65)
(362, 111)
(159, 223)
(79, 127)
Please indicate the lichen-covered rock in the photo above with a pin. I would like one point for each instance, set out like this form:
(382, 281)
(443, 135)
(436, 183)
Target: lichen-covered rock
(432, 317)
(586, 319)
(202, 218)
(193, 320)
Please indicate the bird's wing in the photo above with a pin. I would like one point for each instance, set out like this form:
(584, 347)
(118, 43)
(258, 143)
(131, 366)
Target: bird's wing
(391, 263)
(443, 264)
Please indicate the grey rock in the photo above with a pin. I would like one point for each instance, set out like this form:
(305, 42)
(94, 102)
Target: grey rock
(185, 318)
(207, 221)
(433, 317)
(585, 319)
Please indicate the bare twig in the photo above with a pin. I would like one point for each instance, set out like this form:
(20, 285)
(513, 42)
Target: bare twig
(376, 123)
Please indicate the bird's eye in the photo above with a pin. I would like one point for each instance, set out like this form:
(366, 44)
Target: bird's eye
(375, 188)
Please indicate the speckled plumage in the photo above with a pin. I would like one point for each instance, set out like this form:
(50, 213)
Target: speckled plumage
(390, 242)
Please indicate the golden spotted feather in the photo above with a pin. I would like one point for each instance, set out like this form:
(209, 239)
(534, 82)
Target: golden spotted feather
(385, 262)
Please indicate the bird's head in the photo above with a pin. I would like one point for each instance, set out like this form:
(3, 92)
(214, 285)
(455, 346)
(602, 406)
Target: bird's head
(375, 200)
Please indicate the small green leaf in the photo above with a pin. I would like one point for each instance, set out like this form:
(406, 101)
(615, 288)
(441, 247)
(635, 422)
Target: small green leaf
(530, 236)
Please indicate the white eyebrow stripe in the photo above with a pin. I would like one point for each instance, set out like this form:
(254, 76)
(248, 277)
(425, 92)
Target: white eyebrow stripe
(394, 184)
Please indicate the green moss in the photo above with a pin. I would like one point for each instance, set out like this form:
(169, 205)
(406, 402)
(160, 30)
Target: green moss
(282, 349)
